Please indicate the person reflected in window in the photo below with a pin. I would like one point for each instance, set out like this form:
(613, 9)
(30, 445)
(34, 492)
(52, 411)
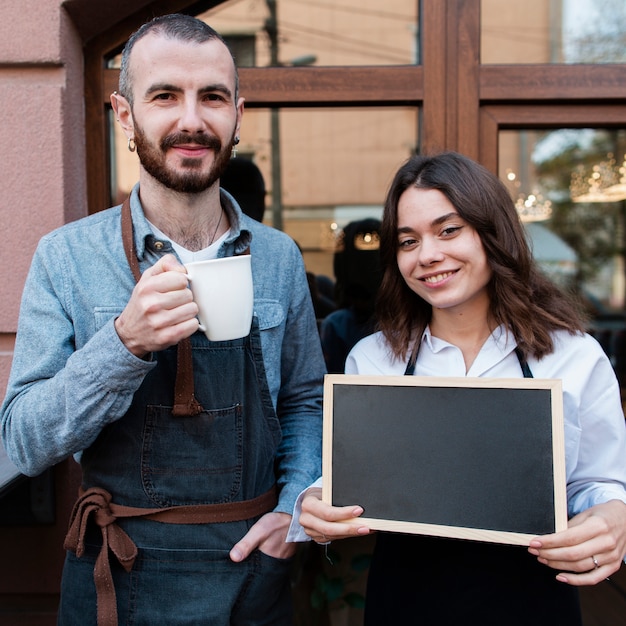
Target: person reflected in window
(357, 272)
(244, 181)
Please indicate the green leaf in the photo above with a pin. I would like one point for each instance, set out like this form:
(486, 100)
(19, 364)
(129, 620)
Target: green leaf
(361, 562)
(334, 589)
(355, 600)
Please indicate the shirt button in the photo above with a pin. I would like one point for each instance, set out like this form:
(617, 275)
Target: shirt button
(158, 245)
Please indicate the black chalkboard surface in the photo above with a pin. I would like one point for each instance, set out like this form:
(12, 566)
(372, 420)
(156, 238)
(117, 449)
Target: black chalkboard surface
(472, 458)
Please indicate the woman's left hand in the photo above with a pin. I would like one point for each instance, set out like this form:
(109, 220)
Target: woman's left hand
(592, 547)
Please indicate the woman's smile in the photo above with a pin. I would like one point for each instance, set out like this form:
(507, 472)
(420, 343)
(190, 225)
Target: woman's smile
(434, 279)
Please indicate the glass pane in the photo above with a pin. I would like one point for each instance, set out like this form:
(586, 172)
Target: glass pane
(324, 33)
(553, 31)
(570, 189)
(331, 166)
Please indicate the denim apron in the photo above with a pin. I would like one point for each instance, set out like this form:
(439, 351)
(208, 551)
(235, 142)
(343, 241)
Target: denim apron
(150, 458)
(433, 581)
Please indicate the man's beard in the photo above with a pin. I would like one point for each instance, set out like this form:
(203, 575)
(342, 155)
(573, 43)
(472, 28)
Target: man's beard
(191, 179)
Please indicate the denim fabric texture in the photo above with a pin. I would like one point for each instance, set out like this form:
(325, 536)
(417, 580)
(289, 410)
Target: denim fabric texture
(253, 593)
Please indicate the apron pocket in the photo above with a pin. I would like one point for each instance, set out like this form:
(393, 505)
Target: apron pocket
(192, 460)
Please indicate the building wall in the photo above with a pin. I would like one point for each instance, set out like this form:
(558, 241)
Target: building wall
(42, 131)
(42, 177)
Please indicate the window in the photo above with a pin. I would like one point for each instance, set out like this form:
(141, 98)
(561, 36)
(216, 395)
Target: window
(354, 92)
(555, 31)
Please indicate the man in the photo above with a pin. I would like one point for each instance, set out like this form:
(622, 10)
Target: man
(192, 452)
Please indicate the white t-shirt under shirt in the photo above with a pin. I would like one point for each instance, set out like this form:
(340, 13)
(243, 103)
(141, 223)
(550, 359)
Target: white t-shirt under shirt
(595, 432)
(187, 256)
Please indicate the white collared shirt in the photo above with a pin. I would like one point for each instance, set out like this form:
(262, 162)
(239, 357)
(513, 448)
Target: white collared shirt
(595, 431)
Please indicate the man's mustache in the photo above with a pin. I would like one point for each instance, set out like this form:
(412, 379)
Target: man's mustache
(201, 139)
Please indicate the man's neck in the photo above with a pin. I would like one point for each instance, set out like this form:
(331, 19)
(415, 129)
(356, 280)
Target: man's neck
(192, 220)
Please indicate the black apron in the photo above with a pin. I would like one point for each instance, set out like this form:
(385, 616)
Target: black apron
(418, 580)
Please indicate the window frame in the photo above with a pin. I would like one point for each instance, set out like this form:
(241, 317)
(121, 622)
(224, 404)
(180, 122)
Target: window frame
(462, 104)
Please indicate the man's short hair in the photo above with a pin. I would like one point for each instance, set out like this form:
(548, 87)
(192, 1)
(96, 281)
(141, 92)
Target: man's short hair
(174, 26)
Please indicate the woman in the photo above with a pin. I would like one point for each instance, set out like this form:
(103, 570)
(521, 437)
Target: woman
(462, 296)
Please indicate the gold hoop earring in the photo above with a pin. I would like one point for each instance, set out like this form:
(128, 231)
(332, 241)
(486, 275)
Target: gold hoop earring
(131, 144)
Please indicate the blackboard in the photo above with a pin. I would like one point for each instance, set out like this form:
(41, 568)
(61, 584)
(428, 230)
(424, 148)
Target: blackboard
(471, 458)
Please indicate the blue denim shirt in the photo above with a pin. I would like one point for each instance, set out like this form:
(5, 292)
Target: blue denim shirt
(71, 375)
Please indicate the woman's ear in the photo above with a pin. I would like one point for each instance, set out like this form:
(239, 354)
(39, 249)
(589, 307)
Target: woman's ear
(123, 113)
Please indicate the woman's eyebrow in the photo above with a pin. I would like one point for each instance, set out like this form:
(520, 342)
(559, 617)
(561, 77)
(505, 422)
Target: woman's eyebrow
(436, 222)
(444, 218)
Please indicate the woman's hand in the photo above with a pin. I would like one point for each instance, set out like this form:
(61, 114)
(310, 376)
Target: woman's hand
(591, 549)
(324, 522)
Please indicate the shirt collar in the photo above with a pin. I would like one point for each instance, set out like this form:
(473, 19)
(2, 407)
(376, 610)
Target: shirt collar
(237, 242)
(240, 237)
(500, 340)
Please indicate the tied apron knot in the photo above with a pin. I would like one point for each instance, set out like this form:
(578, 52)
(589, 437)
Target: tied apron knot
(97, 503)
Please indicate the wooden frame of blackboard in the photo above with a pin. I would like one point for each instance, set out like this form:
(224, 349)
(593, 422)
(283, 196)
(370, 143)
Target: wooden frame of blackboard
(373, 423)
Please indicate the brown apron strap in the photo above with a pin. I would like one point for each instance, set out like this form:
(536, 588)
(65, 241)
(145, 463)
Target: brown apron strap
(185, 402)
(129, 241)
(96, 502)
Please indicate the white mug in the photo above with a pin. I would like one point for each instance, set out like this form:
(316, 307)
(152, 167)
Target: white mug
(222, 289)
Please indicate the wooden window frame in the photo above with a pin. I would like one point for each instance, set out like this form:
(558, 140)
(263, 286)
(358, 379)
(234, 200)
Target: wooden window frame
(462, 103)
(494, 118)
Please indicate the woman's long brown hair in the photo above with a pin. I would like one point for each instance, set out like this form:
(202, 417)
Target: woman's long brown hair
(528, 304)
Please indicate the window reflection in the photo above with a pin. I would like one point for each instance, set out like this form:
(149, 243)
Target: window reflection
(580, 239)
(553, 31)
(334, 32)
